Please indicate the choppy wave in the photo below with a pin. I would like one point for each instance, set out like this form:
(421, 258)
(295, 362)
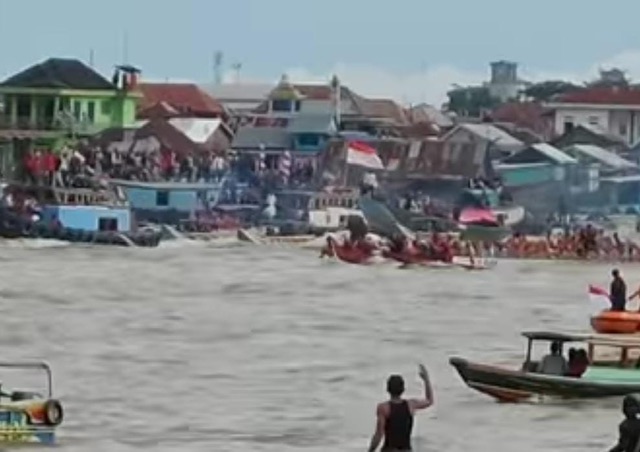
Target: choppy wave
(272, 349)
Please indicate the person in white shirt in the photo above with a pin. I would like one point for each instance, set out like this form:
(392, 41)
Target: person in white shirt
(553, 363)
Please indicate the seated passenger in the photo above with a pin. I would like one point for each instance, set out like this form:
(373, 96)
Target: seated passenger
(554, 363)
(578, 362)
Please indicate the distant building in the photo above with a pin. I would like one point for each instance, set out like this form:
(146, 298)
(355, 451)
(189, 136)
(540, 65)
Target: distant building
(504, 83)
(64, 96)
(239, 98)
(615, 110)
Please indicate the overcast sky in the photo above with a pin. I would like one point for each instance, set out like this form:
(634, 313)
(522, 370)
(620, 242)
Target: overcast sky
(412, 50)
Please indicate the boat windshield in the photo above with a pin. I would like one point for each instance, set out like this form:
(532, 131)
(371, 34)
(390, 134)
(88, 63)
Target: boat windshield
(602, 349)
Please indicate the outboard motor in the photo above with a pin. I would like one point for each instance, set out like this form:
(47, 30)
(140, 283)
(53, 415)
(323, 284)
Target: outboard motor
(17, 396)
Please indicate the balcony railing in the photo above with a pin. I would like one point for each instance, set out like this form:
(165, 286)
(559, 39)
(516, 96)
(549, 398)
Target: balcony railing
(69, 126)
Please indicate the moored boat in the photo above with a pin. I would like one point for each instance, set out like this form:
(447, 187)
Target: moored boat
(603, 377)
(77, 215)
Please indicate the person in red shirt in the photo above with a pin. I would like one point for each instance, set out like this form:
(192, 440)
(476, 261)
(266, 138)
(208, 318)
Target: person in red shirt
(49, 166)
(578, 362)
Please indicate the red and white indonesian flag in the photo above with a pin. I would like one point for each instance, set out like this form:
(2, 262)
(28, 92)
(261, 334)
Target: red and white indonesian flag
(599, 299)
(361, 154)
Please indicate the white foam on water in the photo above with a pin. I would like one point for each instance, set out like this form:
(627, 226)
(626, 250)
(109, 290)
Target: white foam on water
(181, 243)
(33, 243)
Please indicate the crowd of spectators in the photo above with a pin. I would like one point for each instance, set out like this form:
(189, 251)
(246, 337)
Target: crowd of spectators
(71, 167)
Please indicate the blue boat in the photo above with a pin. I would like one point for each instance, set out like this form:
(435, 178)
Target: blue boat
(81, 215)
(175, 202)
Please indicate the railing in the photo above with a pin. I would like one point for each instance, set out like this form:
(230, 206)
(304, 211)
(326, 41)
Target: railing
(52, 124)
(25, 123)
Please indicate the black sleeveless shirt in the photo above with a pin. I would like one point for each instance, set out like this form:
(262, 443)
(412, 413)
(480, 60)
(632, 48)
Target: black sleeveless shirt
(397, 430)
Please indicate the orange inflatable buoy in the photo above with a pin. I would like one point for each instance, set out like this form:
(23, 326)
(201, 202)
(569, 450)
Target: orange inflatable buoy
(616, 322)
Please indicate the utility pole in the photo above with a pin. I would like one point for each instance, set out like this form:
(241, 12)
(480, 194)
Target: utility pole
(125, 48)
(217, 67)
(236, 68)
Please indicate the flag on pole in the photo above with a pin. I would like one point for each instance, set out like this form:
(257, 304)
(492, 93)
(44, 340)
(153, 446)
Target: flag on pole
(599, 298)
(284, 166)
(361, 154)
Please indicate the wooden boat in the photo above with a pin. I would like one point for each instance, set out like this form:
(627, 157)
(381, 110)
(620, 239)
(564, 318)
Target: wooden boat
(350, 254)
(604, 377)
(616, 322)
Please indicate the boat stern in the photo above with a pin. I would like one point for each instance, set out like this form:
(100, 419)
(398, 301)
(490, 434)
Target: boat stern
(16, 428)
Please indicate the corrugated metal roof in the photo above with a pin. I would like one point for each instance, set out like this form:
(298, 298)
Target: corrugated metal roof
(492, 133)
(553, 153)
(198, 130)
(312, 123)
(601, 155)
(238, 91)
(254, 137)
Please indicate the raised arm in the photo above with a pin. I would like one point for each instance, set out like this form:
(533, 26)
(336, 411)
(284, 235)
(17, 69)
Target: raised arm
(427, 401)
(381, 419)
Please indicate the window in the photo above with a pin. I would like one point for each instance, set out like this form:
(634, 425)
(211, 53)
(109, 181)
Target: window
(298, 105)
(77, 108)
(281, 105)
(568, 123)
(65, 104)
(162, 198)
(91, 111)
(106, 107)
(593, 120)
(622, 129)
(107, 224)
(308, 139)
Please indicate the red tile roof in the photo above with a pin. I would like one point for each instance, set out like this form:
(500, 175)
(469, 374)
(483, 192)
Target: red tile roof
(602, 95)
(319, 92)
(384, 108)
(530, 115)
(184, 97)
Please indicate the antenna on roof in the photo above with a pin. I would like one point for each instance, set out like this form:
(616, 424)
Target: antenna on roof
(90, 57)
(125, 47)
(237, 67)
(217, 67)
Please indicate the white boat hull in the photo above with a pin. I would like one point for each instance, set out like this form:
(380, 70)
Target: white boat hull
(512, 215)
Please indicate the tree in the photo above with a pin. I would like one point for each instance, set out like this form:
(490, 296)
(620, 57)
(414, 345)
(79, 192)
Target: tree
(471, 101)
(610, 78)
(546, 90)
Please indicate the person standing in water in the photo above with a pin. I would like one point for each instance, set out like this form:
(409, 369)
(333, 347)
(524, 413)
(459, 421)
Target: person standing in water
(618, 292)
(629, 439)
(394, 418)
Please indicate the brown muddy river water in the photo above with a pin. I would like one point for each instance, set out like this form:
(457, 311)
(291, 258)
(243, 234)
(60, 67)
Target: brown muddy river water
(202, 348)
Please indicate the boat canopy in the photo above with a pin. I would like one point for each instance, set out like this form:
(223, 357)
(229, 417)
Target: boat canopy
(553, 337)
(605, 340)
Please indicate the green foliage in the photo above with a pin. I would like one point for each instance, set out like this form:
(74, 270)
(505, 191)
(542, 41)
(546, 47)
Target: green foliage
(471, 101)
(546, 90)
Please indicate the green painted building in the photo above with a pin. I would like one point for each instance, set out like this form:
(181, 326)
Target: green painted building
(61, 100)
(67, 96)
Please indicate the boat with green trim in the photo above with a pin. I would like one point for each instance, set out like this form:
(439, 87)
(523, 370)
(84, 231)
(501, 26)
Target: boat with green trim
(612, 371)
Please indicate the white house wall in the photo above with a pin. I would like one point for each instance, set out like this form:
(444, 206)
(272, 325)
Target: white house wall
(618, 122)
(578, 116)
(324, 106)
